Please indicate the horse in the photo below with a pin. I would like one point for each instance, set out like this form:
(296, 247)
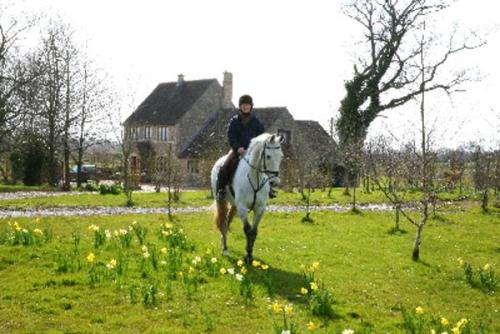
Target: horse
(257, 170)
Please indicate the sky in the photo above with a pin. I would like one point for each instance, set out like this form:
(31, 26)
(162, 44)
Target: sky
(296, 54)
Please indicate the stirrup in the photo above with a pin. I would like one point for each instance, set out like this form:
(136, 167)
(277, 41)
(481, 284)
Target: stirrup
(272, 193)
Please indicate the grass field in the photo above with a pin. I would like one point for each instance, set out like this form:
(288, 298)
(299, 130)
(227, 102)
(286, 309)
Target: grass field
(202, 198)
(49, 286)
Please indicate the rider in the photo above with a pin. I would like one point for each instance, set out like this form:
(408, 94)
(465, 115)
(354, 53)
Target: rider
(242, 128)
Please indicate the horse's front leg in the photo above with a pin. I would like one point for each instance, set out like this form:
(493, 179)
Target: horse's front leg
(251, 233)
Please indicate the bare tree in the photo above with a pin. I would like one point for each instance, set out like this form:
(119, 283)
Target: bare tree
(16, 71)
(388, 75)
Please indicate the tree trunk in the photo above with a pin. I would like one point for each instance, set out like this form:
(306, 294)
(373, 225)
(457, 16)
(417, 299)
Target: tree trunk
(416, 245)
(485, 200)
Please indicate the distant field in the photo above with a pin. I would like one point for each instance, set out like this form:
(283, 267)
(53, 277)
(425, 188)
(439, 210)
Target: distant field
(47, 285)
(203, 198)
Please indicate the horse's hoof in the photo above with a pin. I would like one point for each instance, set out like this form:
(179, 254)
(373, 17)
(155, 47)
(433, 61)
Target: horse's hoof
(225, 252)
(248, 259)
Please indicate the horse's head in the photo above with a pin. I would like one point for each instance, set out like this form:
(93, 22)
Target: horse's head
(271, 156)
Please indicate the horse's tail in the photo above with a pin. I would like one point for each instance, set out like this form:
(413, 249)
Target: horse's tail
(220, 214)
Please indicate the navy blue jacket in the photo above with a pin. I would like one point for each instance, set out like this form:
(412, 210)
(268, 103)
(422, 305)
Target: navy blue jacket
(239, 135)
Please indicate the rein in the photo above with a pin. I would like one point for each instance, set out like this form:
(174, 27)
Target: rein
(269, 173)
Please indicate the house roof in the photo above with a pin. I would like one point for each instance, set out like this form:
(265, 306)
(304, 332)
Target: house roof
(168, 102)
(321, 137)
(214, 132)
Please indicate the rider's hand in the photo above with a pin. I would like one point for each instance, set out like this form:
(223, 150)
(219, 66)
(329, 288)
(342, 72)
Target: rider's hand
(241, 151)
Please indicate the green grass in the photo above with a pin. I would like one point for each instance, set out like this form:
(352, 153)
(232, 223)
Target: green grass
(20, 187)
(202, 198)
(369, 271)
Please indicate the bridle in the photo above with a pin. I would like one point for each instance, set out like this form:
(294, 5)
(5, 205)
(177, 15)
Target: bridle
(270, 174)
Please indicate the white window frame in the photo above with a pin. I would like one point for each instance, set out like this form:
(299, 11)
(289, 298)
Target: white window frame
(147, 132)
(164, 133)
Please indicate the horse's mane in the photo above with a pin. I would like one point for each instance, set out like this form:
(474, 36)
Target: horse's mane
(256, 146)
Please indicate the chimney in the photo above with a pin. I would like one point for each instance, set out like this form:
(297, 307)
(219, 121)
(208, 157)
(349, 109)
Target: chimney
(227, 90)
(180, 80)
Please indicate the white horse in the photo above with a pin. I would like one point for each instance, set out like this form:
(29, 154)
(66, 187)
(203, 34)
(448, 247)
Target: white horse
(249, 189)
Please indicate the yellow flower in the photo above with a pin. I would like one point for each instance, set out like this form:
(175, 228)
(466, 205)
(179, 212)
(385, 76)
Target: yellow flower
(169, 225)
(164, 250)
(222, 271)
(94, 228)
(461, 262)
(348, 331)
(277, 307)
(166, 233)
(487, 267)
(314, 286)
(455, 330)
(462, 322)
(146, 254)
(312, 326)
(38, 231)
(315, 265)
(265, 267)
(288, 309)
(304, 291)
(239, 263)
(433, 331)
(191, 270)
(419, 310)
(444, 321)
(144, 248)
(134, 222)
(213, 260)
(111, 264)
(243, 270)
(91, 257)
(256, 263)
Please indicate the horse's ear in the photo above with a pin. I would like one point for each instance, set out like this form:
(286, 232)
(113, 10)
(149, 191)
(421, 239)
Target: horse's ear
(272, 138)
(281, 138)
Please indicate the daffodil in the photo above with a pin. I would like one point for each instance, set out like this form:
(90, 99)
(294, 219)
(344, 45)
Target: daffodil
(108, 234)
(288, 309)
(146, 254)
(243, 270)
(94, 228)
(191, 270)
(315, 265)
(231, 271)
(213, 260)
(286, 331)
(314, 286)
(444, 321)
(461, 262)
(419, 310)
(223, 271)
(239, 263)
(312, 326)
(111, 264)
(487, 267)
(164, 250)
(348, 331)
(277, 307)
(455, 330)
(169, 225)
(144, 248)
(265, 267)
(304, 291)
(38, 231)
(91, 258)
(239, 277)
(256, 263)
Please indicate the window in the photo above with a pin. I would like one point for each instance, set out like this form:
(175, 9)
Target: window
(147, 132)
(286, 134)
(192, 166)
(133, 133)
(164, 136)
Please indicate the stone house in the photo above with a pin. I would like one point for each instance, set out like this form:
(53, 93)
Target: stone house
(190, 118)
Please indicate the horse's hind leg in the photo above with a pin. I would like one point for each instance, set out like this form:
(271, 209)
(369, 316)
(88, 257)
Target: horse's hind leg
(230, 215)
